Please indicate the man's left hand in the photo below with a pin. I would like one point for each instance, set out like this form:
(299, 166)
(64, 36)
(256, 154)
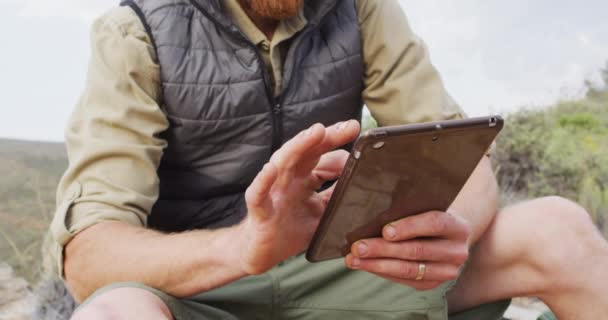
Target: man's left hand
(438, 240)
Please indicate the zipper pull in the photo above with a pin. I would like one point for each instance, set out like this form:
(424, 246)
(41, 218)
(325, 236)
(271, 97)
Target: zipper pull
(277, 108)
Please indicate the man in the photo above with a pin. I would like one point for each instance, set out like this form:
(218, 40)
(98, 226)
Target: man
(195, 162)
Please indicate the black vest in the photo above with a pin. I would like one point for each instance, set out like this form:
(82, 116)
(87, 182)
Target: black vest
(224, 120)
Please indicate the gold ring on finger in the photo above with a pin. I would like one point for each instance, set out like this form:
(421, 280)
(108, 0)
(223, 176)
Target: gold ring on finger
(421, 271)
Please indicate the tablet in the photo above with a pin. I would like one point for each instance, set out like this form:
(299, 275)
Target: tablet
(395, 172)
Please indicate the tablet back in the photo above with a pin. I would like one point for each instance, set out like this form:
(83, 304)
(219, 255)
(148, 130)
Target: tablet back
(394, 172)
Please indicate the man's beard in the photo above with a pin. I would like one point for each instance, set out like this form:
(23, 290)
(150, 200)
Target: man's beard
(273, 9)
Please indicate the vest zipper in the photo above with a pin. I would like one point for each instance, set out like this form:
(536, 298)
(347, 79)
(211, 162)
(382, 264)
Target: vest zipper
(294, 51)
(275, 108)
(276, 105)
(277, 136)
(278, 116)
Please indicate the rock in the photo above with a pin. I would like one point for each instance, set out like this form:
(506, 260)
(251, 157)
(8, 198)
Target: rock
(15, 296)
(520, 313)
(525, 309)
(52, 301)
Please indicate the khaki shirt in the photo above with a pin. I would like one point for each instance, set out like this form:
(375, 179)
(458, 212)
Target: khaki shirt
(113, 140)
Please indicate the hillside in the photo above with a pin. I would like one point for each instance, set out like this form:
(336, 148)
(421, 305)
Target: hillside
(560, 150)
(30, 172)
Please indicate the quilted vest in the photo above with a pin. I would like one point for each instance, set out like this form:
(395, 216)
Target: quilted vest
(225, 122)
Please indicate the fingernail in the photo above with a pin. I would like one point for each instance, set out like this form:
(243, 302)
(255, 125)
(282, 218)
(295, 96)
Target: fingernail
(308, 131)
(361, 248)
(342, 125)
(390, 231)
(355, 262)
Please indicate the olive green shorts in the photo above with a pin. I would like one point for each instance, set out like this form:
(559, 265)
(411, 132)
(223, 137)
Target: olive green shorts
(296, 289)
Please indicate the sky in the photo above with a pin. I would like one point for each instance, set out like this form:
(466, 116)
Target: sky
(495, 56)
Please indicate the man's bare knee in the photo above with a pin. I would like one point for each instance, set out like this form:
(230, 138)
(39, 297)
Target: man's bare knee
(563, 237)
(124, 303)
(561, 221)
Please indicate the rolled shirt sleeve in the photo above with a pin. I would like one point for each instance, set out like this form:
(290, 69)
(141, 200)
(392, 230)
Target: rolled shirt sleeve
(112, 137)
(401, 84)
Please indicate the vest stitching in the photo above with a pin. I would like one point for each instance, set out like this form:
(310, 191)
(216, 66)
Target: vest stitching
(353, 56)
(215, 120)
(224, 84)
(173, 9)
(326, 97)
(196, 48)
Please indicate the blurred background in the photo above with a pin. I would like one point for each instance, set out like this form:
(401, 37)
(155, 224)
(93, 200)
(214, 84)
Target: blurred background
(542, 64)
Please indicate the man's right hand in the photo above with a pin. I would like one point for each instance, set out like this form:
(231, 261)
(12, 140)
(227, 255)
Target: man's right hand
(283, 206)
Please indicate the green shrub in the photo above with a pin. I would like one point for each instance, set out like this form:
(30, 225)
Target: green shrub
(561, 150)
